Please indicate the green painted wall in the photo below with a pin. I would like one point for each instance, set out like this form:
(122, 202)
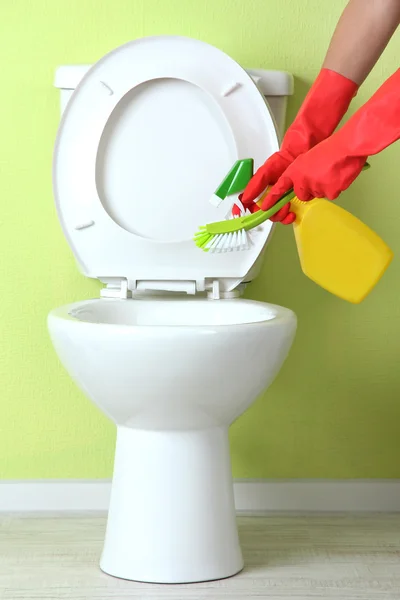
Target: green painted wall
(335, 409)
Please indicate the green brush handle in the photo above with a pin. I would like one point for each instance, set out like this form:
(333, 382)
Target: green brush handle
(246, 222)
(260, 216)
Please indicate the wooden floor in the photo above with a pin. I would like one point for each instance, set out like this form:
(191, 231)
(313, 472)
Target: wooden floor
(300, 558)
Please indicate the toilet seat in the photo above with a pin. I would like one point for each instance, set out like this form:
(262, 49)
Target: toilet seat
(148, 135)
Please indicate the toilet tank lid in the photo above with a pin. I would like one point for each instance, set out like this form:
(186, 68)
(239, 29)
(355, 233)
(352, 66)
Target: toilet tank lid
(270, 83)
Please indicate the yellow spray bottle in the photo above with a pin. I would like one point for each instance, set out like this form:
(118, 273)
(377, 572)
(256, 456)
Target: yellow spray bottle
(336, 250)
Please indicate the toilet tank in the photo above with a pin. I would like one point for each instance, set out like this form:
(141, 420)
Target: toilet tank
(276, 86)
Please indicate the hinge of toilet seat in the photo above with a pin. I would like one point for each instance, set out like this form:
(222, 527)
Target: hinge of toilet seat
(123, 288)
(215, 293)
(117, 288)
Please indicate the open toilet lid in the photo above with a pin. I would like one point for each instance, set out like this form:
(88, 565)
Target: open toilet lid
(147, 137)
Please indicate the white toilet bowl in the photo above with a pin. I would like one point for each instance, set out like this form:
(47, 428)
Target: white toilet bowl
(173, 375)
(147, 136)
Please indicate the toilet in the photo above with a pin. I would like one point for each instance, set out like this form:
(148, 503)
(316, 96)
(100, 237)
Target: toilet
(171, 352)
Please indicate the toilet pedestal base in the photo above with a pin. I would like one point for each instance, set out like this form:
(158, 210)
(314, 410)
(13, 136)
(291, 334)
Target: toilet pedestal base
(172, 515)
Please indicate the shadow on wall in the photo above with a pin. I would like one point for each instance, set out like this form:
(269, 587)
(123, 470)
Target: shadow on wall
(301, 89)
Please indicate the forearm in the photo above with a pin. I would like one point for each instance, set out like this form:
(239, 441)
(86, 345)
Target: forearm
(361, 35)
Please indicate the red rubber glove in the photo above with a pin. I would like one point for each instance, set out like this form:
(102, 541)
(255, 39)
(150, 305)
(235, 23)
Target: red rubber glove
(330, 167)
(321, 112)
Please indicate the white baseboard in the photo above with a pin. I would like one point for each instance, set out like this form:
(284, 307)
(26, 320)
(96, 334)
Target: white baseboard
(318, 495)
(55, 495)
(253, 496)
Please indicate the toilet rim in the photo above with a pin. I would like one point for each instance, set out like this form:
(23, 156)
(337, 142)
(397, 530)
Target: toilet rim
(275, 315)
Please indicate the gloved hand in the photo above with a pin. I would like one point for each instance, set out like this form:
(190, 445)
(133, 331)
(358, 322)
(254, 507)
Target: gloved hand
(330, 167)
(322, 110)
